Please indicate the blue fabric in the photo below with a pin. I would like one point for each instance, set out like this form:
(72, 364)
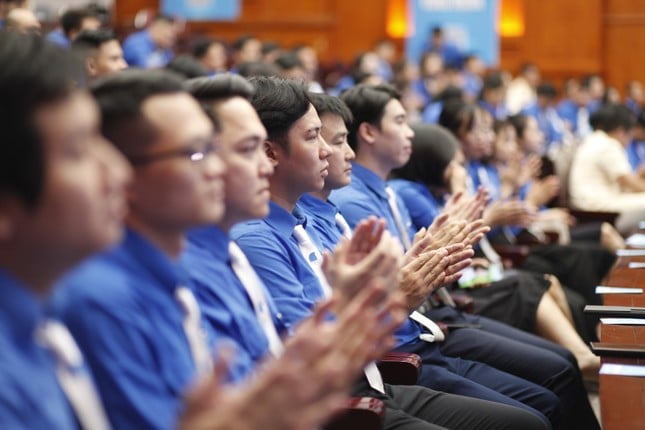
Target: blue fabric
(549, 122)
(121, 309)
(30, 397)
(421, 205)
(498, 112)
(139, 50)
(273, 252)
(324, 222)
(222, 297)
(432, 112)
(636, 153)
(365, 197)
(57, 37)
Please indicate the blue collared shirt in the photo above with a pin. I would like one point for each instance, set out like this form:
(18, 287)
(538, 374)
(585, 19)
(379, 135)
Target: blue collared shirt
(273, 252)
(222, 297)
(366, 197)
(323, 214)
(121, 308)
(422, 206)
(30, 397)
(139, 50)
(636, 153)
(58, 37)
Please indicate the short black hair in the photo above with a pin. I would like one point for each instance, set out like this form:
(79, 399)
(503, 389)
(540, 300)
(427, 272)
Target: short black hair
(547, 89)
(249, 69)
(239, 43)
(34, 74)
(72, 20)
(367, 104)
(326, 104)
(611, 117)
(186, 67)
(210, 90)
(203, 44)
(93, 39)
(120, 97)
(279, 104)
(433, 148)
(288, 61)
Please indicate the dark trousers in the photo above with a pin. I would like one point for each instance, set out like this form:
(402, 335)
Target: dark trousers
(525, 355)
(481, 381)
(419, 408)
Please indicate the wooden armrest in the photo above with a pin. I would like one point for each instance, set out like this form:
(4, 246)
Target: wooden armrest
(622, 350)
(584, 217)
(360, 413)
(400, 368)
(512, 255)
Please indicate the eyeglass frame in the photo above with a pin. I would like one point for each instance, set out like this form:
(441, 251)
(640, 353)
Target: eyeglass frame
(193, 155)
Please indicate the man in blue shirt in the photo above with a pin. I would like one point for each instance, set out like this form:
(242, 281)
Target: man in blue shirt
(381, 137)
(152, 47)
(61, 195)
(73, 22)
(243, 310)
(275, 248)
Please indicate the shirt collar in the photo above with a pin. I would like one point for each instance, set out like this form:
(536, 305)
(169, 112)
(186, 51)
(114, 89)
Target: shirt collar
(153, 260)
(21, 306)
(370, 179)
(315, 206)
(213, 239)
(282, 221)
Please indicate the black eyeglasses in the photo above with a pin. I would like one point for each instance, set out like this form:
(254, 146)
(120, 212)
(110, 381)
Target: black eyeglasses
(192, 154)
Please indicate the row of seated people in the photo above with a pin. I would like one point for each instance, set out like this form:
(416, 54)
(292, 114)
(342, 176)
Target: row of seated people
(233, 238)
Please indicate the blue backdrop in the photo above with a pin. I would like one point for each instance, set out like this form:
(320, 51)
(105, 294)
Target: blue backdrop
(469, 24)
(202, 10)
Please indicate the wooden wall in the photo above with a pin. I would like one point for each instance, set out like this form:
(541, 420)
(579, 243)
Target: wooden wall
(570, 38)
(564, 37)
(338, 29)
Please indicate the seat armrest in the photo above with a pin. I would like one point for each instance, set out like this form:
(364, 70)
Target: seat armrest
(400, 368)
(360, 413)
(584, 217)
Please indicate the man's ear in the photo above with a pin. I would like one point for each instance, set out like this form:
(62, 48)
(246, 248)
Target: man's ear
(90, 66)
(367, 132)
(272, 150)
(11, 210)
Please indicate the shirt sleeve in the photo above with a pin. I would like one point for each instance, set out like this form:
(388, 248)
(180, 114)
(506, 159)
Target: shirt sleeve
(613, 161)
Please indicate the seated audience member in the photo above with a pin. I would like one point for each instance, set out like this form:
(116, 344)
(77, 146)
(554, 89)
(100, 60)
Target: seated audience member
(72, 22)
(634, 96)
(246, 49)
(331, 226)
(153, 46)
(574, 109)
(232, 297)
(62, 194)
(7, 6)
(212, 53)
(22, 20)
(100, 52)
(491, 96)
(271, 50)
(549, 122)
(521, 91)
(70, 206)
(291, 67)
(601, 178)
(285, 251)
(132, 309)
(309, 59)
(636, 147)
(450, 53)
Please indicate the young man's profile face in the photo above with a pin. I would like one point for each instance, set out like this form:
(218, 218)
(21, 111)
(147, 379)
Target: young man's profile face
(107, 59)
(335, 133)
(83, 203)
(186, 189)
(393, 141)
(305, 165)
(247, 166)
